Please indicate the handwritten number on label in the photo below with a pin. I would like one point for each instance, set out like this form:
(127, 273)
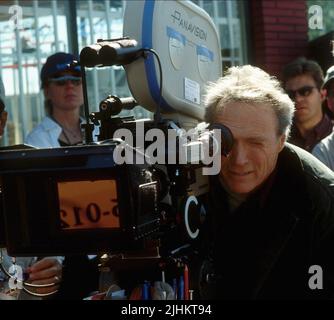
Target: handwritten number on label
(63, 224)
(114, 209)
(76, 211)
(76, 216)
(93, 212)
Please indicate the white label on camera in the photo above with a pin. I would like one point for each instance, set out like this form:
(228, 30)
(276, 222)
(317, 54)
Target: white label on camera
(191, 91)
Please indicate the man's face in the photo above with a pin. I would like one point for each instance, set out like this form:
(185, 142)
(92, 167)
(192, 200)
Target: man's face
(255, 149)
(308, 100)
(65, 95)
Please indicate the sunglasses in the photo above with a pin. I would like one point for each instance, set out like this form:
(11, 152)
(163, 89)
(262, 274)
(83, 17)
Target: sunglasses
(303, 92)
(61, 81)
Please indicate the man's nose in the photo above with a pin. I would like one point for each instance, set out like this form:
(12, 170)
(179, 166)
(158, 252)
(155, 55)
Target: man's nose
(239, 155)
(298, 97)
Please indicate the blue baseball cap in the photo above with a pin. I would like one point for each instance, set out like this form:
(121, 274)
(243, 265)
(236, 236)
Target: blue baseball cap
(58, 63)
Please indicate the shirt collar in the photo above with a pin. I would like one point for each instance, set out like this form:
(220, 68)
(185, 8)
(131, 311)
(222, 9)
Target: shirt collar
(313, 136)
(322, 126)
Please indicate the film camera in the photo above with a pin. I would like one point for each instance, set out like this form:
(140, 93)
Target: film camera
(96, 197)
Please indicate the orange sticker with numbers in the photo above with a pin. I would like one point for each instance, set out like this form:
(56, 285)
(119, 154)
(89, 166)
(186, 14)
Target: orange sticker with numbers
(88, 204)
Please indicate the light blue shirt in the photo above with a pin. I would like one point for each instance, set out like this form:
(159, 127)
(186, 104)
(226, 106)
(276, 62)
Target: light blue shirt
(324, 151)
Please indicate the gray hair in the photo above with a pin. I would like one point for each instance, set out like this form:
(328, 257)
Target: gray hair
(250, 85)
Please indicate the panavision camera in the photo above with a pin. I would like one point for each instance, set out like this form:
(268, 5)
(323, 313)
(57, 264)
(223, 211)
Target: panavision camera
(142, 182)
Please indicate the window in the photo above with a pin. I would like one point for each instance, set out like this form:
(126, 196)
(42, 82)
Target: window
(228, 18)
(45, 28)
(39, 30)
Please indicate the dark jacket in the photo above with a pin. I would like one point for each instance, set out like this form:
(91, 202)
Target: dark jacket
(264, 250)
(313, 136)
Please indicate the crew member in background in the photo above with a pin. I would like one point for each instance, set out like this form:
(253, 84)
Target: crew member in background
(62, 86)
(61, 80)
(303, 80)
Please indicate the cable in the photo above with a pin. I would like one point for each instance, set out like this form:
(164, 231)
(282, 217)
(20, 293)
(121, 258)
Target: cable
(40, 294)
(157, 115)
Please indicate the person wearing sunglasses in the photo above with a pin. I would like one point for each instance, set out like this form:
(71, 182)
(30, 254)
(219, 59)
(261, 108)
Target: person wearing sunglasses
(303, 80)
(62, 86)
(61, 82)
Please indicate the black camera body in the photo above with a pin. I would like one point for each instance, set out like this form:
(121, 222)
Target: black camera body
(74, 200)
(79, 199)
(146, 215)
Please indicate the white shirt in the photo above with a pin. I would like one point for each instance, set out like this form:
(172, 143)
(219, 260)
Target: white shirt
(47, 133)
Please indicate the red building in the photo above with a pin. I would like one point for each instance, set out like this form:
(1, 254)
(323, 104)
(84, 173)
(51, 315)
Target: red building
(279, 31)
